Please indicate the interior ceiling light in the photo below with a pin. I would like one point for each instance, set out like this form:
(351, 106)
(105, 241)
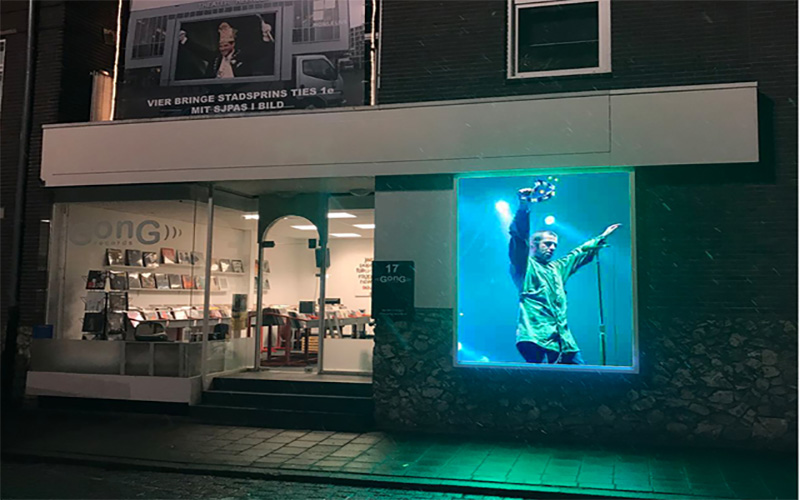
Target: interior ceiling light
(364, 226)
(340, 215)
(250, 216)
(345, 235)
(306, 228)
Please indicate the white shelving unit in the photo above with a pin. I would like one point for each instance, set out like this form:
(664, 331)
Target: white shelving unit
(168, 267)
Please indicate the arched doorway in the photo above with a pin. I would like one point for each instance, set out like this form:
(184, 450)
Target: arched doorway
(290, 290)
(294, 237)
(281, 213)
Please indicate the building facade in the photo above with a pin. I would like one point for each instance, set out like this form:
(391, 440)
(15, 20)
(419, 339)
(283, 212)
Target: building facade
(716, 323)
(694, 104)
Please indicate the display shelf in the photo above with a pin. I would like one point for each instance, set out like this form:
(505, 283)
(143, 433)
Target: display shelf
(170, 290)
(159, 266)
(183, 323)
(167, 267)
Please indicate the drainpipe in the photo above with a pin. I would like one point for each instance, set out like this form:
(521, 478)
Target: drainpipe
(373, 56)
(15, 282)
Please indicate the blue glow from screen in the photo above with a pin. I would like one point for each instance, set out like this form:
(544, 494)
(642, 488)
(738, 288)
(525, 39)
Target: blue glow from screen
(488, 301)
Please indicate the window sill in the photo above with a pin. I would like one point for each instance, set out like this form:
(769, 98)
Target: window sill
(559, 72)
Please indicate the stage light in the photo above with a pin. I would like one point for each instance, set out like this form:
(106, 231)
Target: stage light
(504, 211)
(459, 346)
(549, 220)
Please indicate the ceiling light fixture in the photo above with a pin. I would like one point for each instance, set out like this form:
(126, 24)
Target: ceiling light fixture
(306, 228)
(345, 235)
(364, 226)
(340, 215)
(250, 216)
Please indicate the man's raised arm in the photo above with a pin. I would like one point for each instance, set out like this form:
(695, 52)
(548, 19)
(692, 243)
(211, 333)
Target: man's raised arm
(518, 246)
(584, 253)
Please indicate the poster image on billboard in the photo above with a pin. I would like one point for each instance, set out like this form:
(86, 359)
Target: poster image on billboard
(187, 58)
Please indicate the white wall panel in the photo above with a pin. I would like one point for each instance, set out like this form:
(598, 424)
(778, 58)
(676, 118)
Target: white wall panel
(79, 385)
(671, 128)
(419, 226)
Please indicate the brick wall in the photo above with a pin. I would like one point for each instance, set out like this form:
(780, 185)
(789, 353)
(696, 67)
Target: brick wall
(85, 51)
(716, 240)
(46, 95)
(12, 17)
(70, 46)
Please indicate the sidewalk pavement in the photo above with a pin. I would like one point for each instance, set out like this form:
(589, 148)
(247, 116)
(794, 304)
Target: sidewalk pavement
(432, 463)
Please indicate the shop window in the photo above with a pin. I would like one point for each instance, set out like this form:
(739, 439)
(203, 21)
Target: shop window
(126, 265)
(139, 272)
(558, 37)
(545, 275)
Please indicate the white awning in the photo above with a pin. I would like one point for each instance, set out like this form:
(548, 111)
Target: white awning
(702, 124)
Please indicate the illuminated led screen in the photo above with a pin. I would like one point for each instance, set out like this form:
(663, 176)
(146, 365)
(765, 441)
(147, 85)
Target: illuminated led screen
(545, 279)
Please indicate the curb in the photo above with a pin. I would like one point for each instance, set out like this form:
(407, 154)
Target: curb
(467, 487)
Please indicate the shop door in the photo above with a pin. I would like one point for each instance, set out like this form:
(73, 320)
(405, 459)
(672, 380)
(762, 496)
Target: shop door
(285, 335)
(349, 340)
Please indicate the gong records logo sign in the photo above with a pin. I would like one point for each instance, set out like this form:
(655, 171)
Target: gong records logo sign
(122, 232)
(393, 289)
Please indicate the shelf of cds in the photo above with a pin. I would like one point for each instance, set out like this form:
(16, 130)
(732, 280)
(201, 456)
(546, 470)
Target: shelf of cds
(173, 266)
(108, 312)
(169, 257)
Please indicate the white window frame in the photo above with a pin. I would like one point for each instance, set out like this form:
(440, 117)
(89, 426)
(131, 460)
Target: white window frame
(604, 38)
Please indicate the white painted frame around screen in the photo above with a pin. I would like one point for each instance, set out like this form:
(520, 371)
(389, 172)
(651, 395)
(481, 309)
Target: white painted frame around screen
(604, 38)
(634, 368)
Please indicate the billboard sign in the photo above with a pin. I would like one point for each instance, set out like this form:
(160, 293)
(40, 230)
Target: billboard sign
(186, 58)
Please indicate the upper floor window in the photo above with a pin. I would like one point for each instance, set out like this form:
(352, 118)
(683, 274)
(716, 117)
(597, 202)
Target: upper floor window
(559, 37)
(316, 21)
(149, 37)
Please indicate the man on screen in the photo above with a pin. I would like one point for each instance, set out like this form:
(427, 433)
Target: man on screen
(229, 61)
(542, 332)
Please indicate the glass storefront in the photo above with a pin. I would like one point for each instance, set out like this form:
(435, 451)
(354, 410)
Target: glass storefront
(134, 272)
(134, 285)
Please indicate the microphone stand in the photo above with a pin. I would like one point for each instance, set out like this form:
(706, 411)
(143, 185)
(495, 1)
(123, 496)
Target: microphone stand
(602, 319)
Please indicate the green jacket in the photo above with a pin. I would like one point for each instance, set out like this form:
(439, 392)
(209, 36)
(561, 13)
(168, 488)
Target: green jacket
(542, 297)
